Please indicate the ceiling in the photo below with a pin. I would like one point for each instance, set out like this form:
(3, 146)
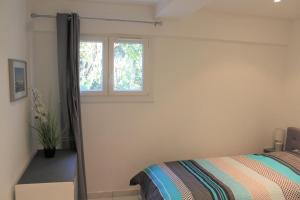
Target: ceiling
(287, 9)
(143, 2)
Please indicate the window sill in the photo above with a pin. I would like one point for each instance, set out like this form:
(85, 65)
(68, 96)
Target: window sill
(94, 99)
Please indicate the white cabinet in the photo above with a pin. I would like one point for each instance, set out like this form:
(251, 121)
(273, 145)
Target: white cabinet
(49, 179)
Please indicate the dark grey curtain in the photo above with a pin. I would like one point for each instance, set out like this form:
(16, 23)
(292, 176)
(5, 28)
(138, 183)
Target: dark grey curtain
(68, 38)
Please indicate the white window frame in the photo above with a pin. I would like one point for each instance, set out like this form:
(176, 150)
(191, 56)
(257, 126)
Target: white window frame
(145, 44)
(104, 40)
(108, 95)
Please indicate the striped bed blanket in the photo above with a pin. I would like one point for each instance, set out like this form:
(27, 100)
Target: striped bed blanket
(274, 176)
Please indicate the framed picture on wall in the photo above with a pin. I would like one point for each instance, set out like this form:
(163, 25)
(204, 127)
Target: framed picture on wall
(17, 79)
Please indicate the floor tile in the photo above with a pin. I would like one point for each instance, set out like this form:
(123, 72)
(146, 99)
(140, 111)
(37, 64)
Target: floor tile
(119, 198)
(126, 198)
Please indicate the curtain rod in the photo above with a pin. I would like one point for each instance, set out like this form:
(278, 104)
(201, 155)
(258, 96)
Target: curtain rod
(155, 23)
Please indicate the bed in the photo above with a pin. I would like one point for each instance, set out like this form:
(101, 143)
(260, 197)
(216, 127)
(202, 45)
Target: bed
(272, 176)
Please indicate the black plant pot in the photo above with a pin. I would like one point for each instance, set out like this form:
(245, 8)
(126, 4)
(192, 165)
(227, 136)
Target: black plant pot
(49, 153)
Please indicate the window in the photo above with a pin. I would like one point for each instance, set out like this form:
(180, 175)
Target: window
(91, 66)
(111, 67)
(128, 66)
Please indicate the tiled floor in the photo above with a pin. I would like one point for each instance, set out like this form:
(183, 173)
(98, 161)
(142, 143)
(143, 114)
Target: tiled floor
(120, 198)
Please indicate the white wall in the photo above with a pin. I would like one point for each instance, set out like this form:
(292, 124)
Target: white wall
(218, 85)
(14, 117)
(215, 99)
(292, 95)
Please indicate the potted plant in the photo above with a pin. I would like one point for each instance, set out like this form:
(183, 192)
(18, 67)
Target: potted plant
(45, 125)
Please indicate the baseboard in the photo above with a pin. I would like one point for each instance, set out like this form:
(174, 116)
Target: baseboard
(120, 193)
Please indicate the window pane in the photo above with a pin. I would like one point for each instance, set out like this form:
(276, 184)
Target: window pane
(91, 66)
(128, 66)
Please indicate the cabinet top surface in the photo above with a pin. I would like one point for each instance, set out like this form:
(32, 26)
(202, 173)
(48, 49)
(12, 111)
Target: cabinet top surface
(61, 168)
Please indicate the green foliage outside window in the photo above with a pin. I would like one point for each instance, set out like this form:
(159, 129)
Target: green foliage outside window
(128, 66)
(91, 67)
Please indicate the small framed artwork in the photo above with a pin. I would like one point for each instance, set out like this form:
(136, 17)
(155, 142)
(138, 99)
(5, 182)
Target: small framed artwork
(17, 79)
